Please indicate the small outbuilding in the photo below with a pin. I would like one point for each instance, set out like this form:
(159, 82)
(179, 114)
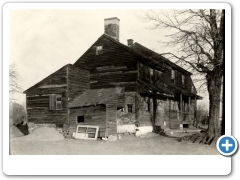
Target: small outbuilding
(96, 107)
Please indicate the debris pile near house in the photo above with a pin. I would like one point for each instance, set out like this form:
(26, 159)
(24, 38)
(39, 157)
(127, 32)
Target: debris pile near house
(42, 134)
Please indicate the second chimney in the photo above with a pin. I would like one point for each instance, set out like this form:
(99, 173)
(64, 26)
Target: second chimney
(111, 27)
(130, 42)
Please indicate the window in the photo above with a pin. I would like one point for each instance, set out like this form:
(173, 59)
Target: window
(120, 108)
(183, 79)
(151, 72)
(129, 106)
(80, 119)
(55, 102)
(99, 50)
(58, 102)
(86, 132)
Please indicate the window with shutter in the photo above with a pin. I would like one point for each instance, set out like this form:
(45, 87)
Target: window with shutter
(55, 102)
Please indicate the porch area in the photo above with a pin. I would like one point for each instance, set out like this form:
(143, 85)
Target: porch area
(182, 112)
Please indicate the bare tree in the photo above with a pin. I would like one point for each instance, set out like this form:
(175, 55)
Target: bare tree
(14, 78)
(198, 38)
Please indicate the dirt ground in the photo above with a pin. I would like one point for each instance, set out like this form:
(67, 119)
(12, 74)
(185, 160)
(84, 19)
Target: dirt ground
(127, 145)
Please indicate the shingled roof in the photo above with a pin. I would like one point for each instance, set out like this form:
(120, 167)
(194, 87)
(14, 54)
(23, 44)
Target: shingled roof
(92, 97)
(142, 50)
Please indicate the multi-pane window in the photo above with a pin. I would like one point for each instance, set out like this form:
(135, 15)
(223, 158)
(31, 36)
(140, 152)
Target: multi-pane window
(99, 50)
(55, 101)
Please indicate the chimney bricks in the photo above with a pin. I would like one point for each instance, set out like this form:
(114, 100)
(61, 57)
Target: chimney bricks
(130, 42)
(111, 27)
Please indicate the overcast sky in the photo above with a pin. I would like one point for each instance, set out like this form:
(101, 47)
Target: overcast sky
(42, 41)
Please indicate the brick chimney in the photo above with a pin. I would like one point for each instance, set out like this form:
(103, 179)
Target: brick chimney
(111, 27)
(130, 42)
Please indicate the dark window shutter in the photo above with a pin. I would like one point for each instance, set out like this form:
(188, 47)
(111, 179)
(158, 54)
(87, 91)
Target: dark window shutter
(52, 98)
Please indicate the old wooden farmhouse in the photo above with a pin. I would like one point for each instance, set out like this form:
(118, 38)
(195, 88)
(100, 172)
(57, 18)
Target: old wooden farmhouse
(117, 88)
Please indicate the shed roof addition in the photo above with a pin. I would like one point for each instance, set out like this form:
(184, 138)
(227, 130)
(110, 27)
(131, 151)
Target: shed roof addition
(92, 97)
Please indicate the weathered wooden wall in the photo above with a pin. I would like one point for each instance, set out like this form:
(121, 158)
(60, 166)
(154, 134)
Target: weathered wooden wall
(68, 81)
(39, 113)
(37, 99)
(93, 115)
(115, 67)
(78, 81)
(143, 116)
(54, 83)
(111, 113)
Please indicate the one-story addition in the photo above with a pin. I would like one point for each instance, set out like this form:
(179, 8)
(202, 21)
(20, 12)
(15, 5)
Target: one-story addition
(116, 87)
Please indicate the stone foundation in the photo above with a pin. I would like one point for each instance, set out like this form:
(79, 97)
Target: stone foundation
(130, 128)
(144, 130)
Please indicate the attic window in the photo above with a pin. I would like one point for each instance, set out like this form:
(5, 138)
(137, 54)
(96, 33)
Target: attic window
(99, 50)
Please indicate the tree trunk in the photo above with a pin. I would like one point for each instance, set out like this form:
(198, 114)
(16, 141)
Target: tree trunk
(214, 81)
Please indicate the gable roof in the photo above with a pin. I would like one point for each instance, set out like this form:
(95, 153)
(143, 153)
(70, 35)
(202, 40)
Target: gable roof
(48, 77)
(153, 55)
(145, 59)
(92, 97)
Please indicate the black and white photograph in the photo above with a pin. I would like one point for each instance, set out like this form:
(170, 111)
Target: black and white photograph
(116, 81)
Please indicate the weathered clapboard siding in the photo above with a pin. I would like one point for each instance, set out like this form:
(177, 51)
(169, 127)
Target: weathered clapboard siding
(93, 115)
(67, 81)
(111, 113)
(115, 65)
(78, 81)
(38, 110)
(37, 99)
(54, 83)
